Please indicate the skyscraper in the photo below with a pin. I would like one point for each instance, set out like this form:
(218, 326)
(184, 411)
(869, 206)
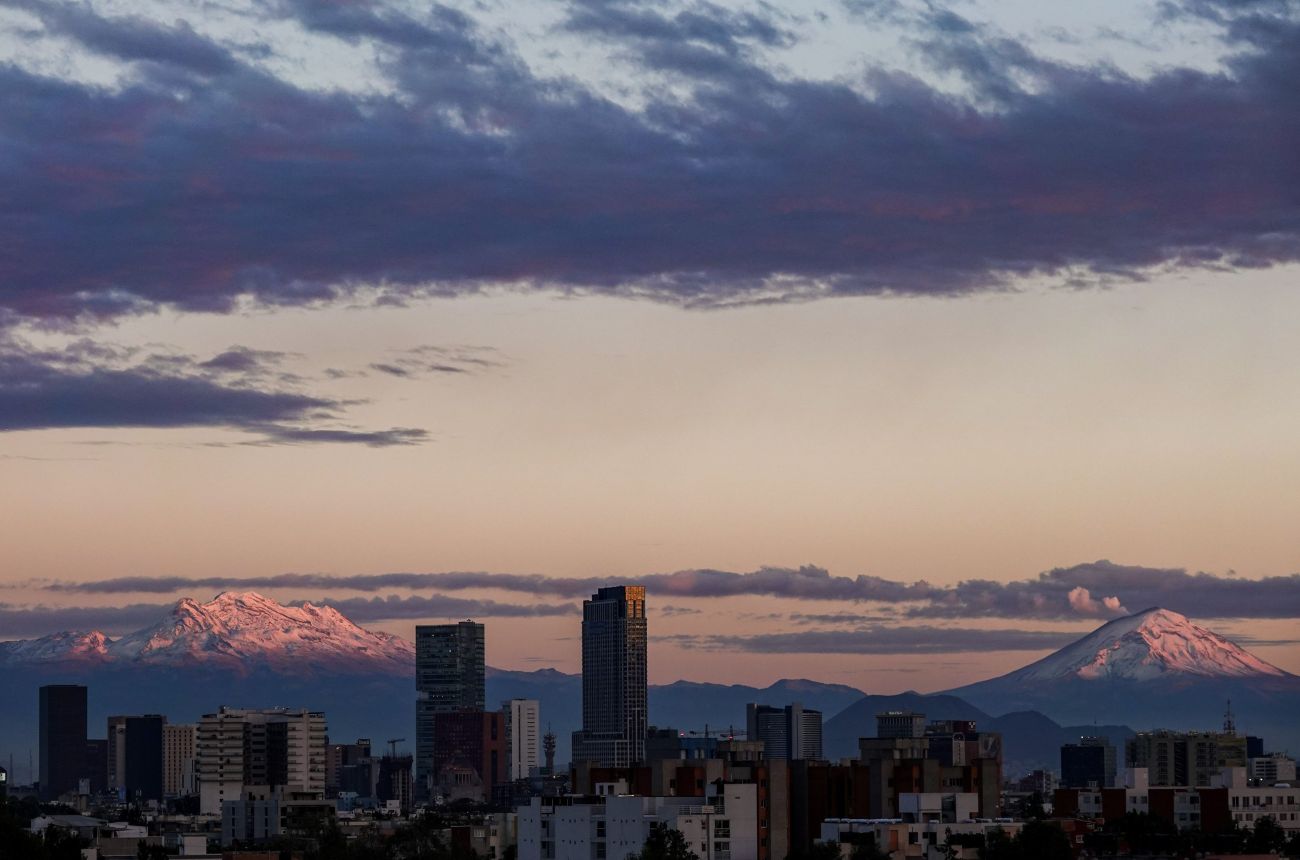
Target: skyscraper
(62, 738)
(450, 677)
(792, 732)
(144, 757)
(613, 678)
(523, 729)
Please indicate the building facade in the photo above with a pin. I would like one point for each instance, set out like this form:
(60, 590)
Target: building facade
(792, 732)
(614, 686)
(523, 719)
(1184, 758)
(180, 743)
(239, 747)
(62, 729)
(450, 676)
(143, 778)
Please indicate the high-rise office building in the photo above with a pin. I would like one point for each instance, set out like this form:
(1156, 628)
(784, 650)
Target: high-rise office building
(116, 755)
(1084, 766)
(793, 732)
(238, 747)
(450, 676)
(614, 708)
(180, 744)
(523, 738)
(62, 738)
(144, 757)
(469, 758)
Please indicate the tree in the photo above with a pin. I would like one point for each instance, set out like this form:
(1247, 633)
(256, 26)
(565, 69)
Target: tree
(999, 846)
(145, 851)
(1043, 840)
(865, 849)
(1267, 836)
(666, 843)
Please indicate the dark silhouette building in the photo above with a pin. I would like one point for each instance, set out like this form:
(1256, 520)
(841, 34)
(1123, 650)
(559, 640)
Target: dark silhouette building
(144, 757)
(614, 700)
(450, 676)
(62, 738)
(470, 741)
(96, 769)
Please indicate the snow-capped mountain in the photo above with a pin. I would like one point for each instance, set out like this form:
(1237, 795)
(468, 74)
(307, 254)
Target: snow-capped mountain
(1151, 644)
(85, 647)
(1155, 669)
(241, 631)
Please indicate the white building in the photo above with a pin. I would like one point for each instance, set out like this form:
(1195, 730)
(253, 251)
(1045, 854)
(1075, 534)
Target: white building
(238, 747)
(614, 825)
(523, 736)
(1271, 769)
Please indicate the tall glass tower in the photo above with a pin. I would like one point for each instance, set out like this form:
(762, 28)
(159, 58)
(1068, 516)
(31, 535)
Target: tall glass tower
(449, 677)
(614, 707)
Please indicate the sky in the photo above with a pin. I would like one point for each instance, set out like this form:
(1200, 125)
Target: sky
(888, 343)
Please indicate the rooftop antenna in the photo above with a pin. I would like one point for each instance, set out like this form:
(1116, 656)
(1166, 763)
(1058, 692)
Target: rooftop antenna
(1229, 724)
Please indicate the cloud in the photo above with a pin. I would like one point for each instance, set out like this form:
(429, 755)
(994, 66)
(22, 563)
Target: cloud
(361, 609)
(91, 385)
(1082, 602)
(431, 359)
(882, 640)
(204, 182)
(1061, 594)
(34, 621)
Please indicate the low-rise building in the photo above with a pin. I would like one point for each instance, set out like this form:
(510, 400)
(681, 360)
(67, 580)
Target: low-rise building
(266, 812)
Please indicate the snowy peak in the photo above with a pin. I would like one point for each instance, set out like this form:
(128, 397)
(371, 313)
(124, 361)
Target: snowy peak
(243, 631)
(70, 646)
(1155, 643)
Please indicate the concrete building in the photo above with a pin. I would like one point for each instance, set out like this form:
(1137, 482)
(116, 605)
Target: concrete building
(347, 768)
(1184, 758)
(523, 736)
(262, 813)
(62, 727)
(450, 676)
(276, 747)
(614, 686)
(793, 732)
(900, 724)
(180, 759)
(613, 824)
(1272, 769)
(1227, 799)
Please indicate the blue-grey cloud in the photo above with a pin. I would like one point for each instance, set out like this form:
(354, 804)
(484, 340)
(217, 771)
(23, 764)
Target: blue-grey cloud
(90, 385)
(1093, 591)
(205, 180)
(881, 640)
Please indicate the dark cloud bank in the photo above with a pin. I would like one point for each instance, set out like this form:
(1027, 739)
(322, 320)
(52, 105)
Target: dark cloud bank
(1098, 590)
(204, 180)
